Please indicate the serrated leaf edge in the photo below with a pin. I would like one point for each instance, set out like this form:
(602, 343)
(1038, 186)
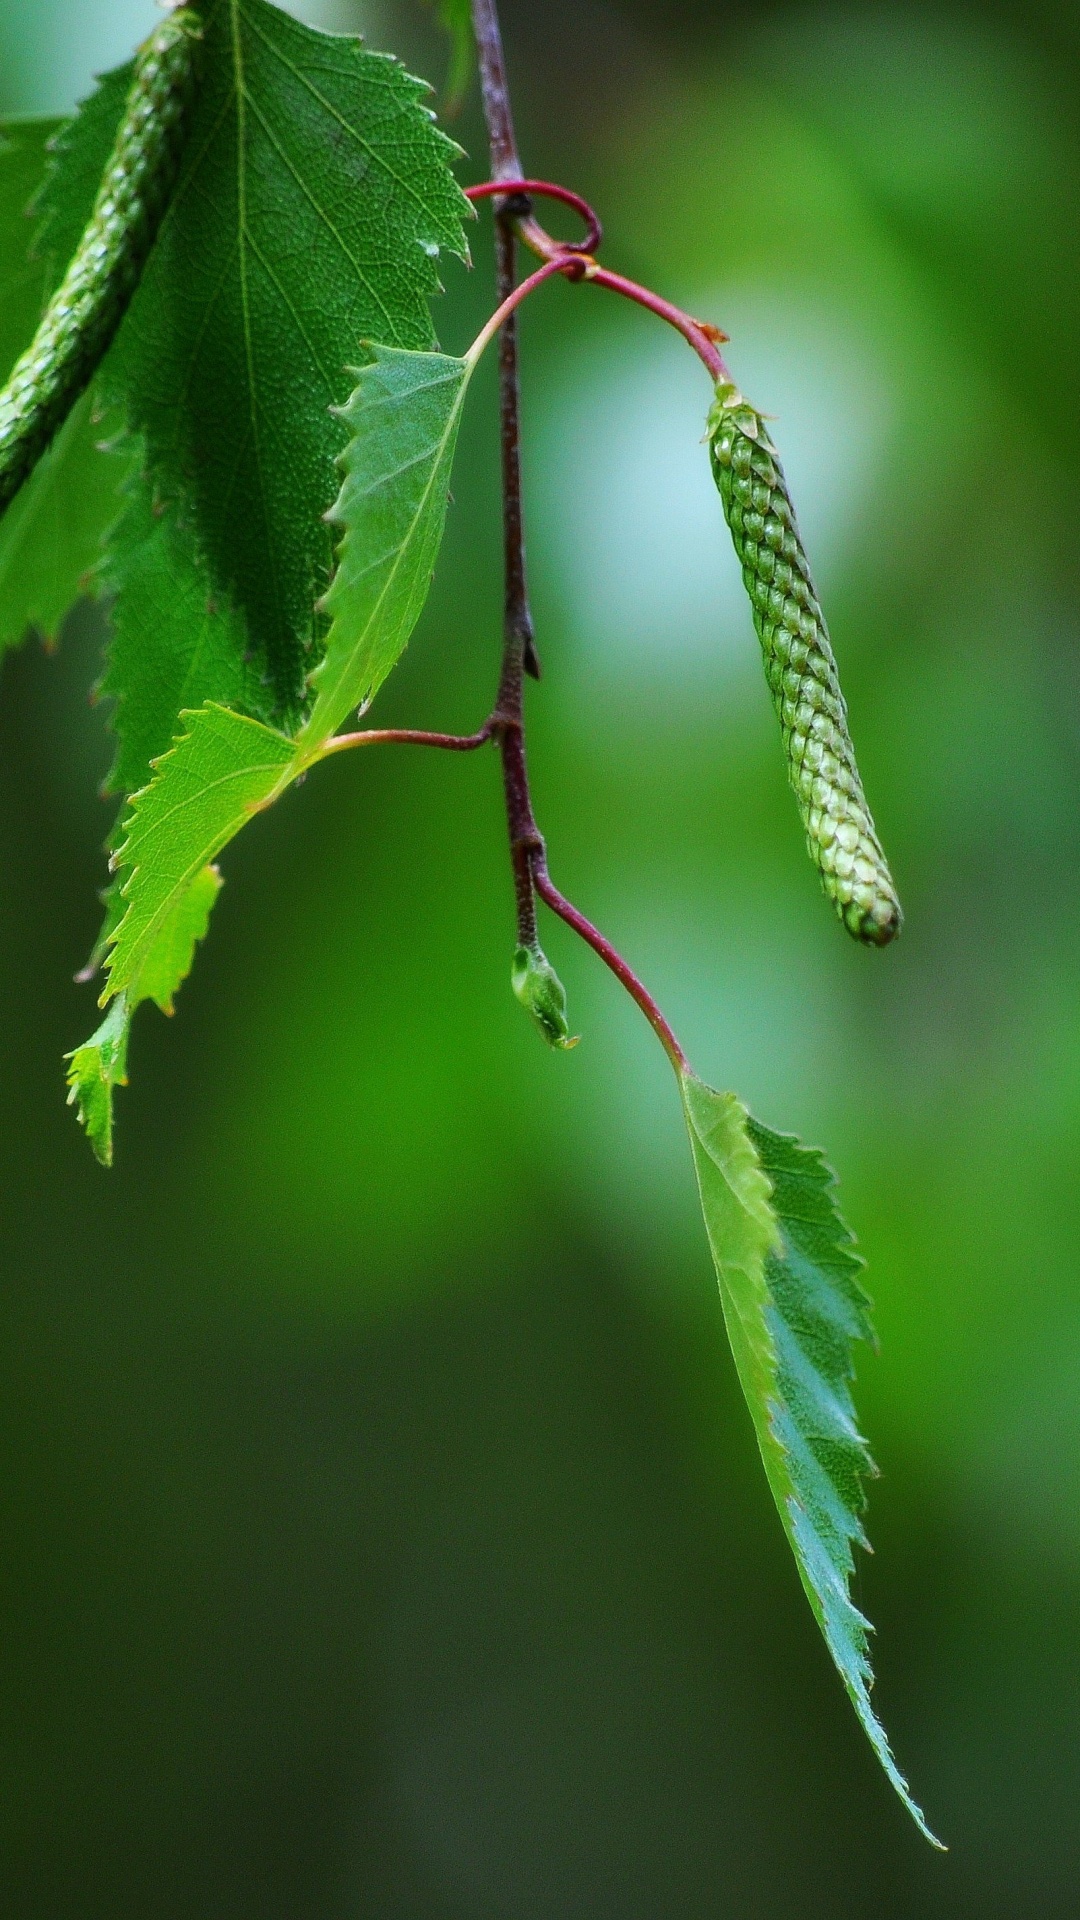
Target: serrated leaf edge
(826, 1588)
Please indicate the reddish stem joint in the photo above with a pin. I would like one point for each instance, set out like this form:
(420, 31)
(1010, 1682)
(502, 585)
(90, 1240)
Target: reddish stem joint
(575, 260)
(545, 190)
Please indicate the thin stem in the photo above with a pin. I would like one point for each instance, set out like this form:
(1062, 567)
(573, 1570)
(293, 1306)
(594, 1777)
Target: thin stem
(513, 220)
(513, 300)
(624, 973)
(519, 648)
(547, 190)
(498, 113)
(409, 737)
(699, 336)
(577, 263)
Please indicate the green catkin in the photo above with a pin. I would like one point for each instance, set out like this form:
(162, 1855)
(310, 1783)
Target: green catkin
(801, 671)
(83, 316)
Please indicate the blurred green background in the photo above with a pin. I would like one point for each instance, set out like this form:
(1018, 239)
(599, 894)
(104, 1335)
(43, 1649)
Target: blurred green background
(384, 1537)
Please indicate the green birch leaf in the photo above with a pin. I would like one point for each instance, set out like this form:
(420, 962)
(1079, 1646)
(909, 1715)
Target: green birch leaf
(794, 1308)
(94, 1071)
(171, 955)
(99, 1067)
(173, 646)
(113, 902)
(223, 769)
(315, 199)
(404, 417)
(50, 537)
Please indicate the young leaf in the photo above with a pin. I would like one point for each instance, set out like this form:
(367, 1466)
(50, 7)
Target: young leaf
(315, 198)
(51, 535)
(794, 1308)
(169, 958)
(94, 1071)
(404, 416)
(220, 772)
(172, 646)
(101, 1065)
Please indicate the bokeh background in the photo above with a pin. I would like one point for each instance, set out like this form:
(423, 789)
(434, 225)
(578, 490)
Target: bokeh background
(383, 1536)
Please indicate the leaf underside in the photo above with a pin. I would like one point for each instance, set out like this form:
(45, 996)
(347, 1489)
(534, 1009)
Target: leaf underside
(94, 1072)
(314, 201)
(222, 769)
(99, 1067)
(404, 417)
(794, 1308)
(172, 645)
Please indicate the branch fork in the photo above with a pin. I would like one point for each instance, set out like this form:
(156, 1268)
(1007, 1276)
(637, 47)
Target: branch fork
(512, 194)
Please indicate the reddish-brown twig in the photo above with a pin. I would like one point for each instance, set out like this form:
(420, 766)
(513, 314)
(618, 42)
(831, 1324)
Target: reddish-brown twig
(624, 973)
(547, 190)
(575, 260)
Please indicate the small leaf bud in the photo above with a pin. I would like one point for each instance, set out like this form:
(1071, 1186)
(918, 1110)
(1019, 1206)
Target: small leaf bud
(542, 994)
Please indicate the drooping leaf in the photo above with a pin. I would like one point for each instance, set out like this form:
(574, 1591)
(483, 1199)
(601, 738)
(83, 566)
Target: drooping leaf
(172, 646)
(169, 959)
(316, 197)
(794, 1308)
(223, 769)
(99, 1067)
(94, 1071)
(404, 417)
(51, 535)
(456, 16)
(113, 902)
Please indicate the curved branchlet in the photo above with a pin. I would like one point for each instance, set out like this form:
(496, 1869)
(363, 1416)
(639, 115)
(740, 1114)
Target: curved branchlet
(801, 671)
(83, 316)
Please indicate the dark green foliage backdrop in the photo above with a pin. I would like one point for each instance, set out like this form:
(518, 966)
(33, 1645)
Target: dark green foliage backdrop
(384, 1531)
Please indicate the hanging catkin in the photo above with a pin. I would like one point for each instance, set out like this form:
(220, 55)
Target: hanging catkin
(801, 671)
(88, 306)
